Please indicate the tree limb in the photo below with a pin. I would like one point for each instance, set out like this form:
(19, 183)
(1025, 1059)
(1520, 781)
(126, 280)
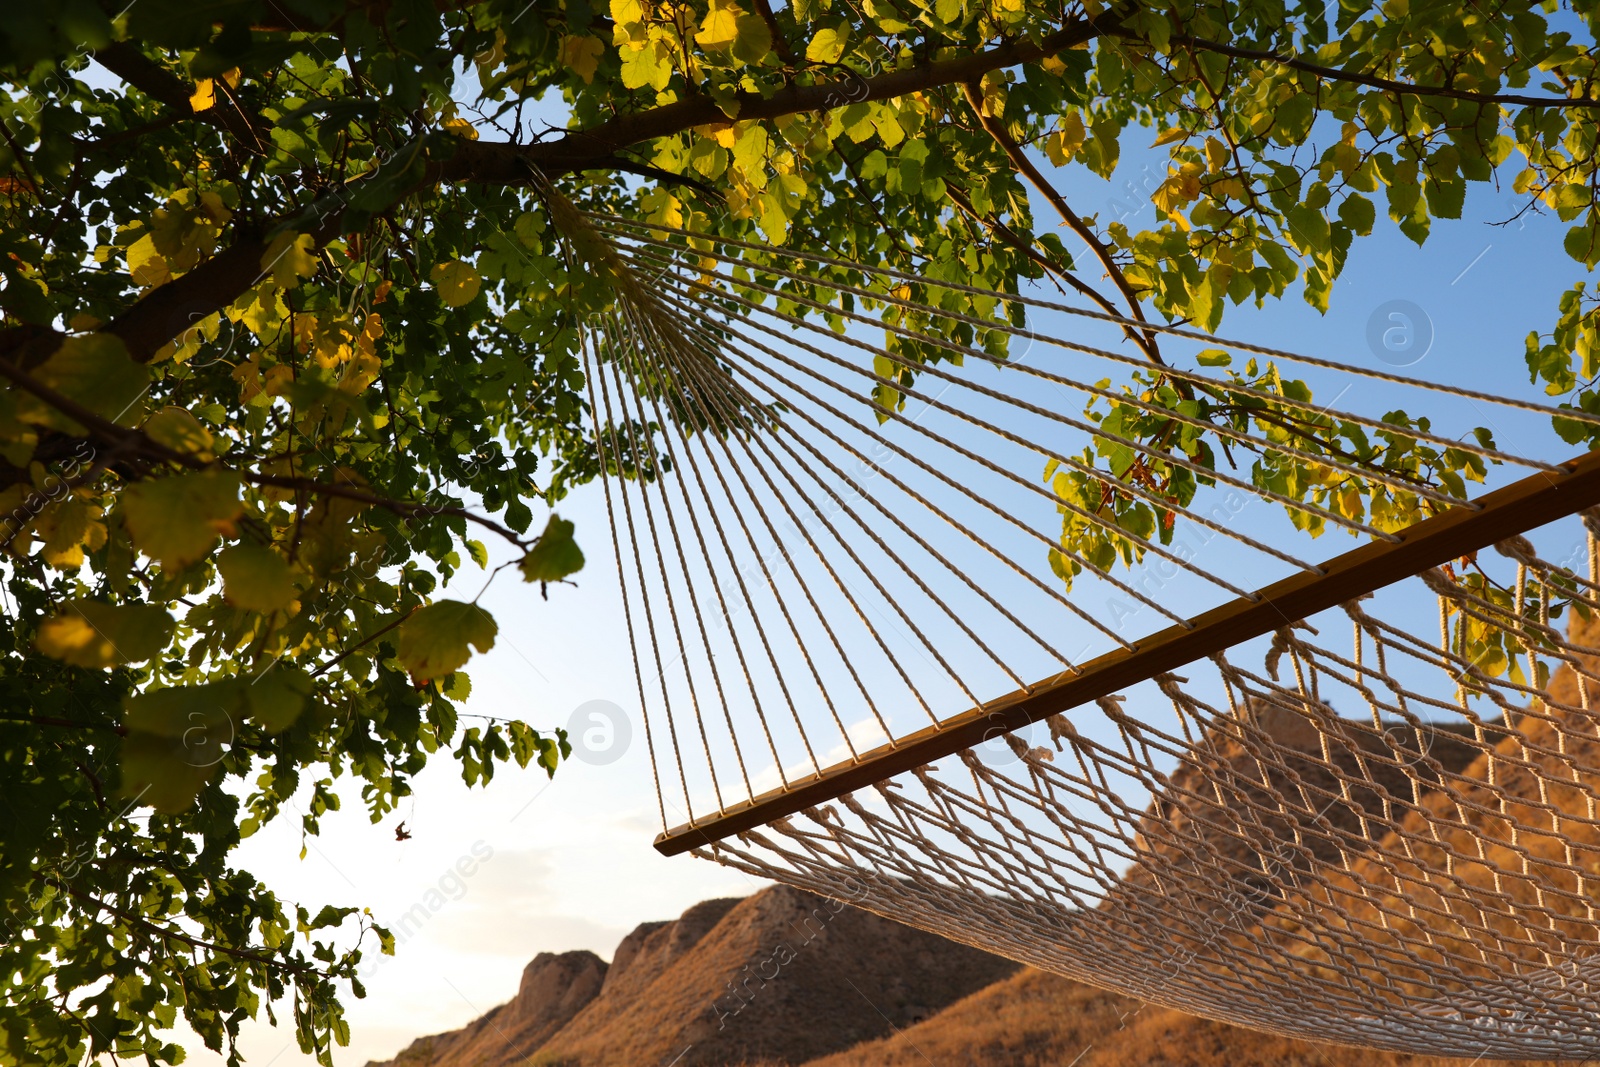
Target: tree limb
(1372, 80)
(124, 59)
(168, 933)
(1145, 339)
(138, 441)
(502, 163)
(780, 43)
(166, 312)
(1016, 240)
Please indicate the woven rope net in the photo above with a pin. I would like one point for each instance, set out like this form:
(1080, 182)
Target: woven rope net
(1372, 823)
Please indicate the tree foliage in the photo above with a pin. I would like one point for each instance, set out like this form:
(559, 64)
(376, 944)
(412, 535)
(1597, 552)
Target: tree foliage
(292, 322)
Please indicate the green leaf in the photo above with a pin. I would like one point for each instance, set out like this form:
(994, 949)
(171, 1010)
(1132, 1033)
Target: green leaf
(166, 773)
(828, 45)
(178, 520)
(94, 372)
(278, 697)
(176, 739)
(647, 66)
(753, 39)
(255, 578)
(750, 150)
(179, 430)
(555, 555)
(434, 640)
(1358, 213)
(89, 633)
(1583, 244)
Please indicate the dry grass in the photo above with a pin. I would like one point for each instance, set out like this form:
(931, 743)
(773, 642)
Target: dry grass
(1035, 1019)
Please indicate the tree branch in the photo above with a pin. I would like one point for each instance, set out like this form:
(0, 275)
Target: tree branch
(1015, 240)
(166, 312)
(1145, 339)
(137, 441)
(1372, 80)
(780, 43)
(124, 59)
(399, 507)
(502, 163)
(166, 933)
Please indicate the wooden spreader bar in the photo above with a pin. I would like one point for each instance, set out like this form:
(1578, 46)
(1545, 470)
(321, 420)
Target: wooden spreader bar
(1534, 501)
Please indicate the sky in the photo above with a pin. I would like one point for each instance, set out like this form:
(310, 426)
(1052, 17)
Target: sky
(489, 877)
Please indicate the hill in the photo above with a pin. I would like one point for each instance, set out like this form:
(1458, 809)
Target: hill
(1033, 1019)
(778, 978)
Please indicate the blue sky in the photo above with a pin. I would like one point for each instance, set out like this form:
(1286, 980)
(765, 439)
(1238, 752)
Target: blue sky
(567, 863)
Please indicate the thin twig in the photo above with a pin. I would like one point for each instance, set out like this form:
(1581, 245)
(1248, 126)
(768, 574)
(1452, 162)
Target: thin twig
(1024, 166)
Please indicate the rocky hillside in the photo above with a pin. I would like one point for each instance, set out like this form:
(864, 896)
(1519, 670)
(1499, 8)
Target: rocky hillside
(778, 978)
(1033, 1019)
(782, 979)
(786, 979)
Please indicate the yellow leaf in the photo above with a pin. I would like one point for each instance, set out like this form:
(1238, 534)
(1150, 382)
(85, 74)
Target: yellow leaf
(626, 12)
(146, 266)
(180, 431)
(648, 65)
(828, 45)
(460, 127)
(68, 528)
(88, 633)
(457, 283)
(204, 96)
(720, 28)
(433, 641)
(582, 55)
(1217, 154)
(92, 370)
(1062, 145)
(1169, 136)
(255, 578)
(289, 258)
(750, 150)
(177, 520)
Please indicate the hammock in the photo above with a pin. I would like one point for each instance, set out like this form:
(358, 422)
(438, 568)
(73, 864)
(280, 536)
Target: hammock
(1350, 797)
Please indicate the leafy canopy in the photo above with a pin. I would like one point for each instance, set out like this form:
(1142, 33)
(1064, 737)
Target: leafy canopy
(292, 320)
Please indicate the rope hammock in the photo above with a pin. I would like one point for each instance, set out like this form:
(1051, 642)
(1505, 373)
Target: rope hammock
(1349, 797)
